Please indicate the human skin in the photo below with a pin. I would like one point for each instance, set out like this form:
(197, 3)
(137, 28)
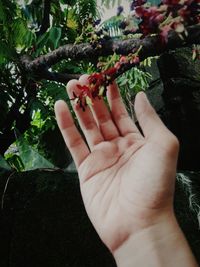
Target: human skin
(127, 178)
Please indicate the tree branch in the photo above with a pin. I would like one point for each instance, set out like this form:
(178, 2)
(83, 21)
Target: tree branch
(58, 77)
(46, 20)
(150, 47)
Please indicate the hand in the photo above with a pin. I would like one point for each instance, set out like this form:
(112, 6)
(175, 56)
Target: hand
(127, 179)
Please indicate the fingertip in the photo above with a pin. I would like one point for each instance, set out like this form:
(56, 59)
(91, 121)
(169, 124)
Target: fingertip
(60, 107)
(149, 120)
(63, 115)
(141, 96)
(59, 103)
(56, 105)
(141, 102)
(84, 79)
(72, 85)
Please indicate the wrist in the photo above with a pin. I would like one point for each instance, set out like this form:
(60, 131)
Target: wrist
(161, 244)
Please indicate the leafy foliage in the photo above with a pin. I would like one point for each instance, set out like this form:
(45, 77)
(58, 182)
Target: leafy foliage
(30, 29)
(4, 164)
(132, 82)
(30, 158)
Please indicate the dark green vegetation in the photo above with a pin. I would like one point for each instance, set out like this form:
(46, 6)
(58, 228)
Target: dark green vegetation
(27, 98)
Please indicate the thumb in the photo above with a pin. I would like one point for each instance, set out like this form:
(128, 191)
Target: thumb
(148, 119)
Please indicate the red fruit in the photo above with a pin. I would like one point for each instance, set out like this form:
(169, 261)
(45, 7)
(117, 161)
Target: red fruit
(123, 59)
(110, 71)
(184, 12)
(136, 60)
(95, 77)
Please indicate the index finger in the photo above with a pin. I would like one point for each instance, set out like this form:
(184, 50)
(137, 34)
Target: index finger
(71, 135)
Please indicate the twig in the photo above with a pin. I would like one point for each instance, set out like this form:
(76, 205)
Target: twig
(5, 189)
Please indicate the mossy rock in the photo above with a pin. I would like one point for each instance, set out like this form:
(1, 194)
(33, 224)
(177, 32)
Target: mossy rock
(44, 223)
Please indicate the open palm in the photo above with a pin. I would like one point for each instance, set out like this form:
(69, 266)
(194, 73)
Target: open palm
(126, 178)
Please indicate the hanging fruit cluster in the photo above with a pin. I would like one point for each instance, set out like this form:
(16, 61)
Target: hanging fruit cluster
(169, 15)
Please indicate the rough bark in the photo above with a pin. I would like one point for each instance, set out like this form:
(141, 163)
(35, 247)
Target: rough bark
(44, 223)
(181, 95)
(175, 94)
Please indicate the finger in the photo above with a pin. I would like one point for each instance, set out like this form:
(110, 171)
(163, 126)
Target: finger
(85, 118)
(150, 123)
(119, 113)
(72, 137)
(84, 79)
(102, 115)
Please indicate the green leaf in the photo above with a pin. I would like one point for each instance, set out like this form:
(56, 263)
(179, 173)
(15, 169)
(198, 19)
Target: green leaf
(31, 158)
(113, 25)
(20, 31)
(55, 91)
(2, 12)
(41, 42)
(4, 164)
(29, 38)
(38, 105)
(111, 3)
(54, 36)
(71, 20)
(6, 52)
(68, 2)
(15, 162)
(85, 8)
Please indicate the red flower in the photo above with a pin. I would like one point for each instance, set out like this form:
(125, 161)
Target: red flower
(123, 59)
(164, 33)
(85, 90)
(150, 19)
(140, 11)
(96, 80)
(135, 60)
(110, 72)
(159, 18)
(95, 77)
